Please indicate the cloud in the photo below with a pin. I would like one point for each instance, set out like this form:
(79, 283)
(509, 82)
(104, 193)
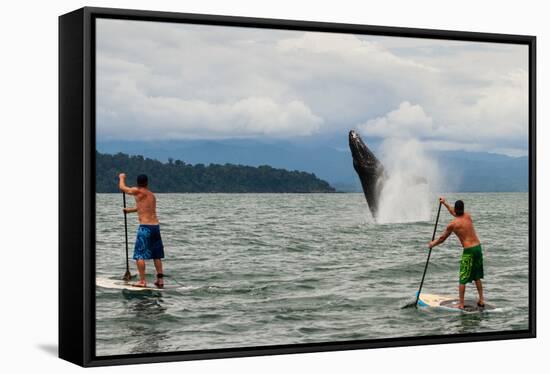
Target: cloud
(348, 48)
(157, 118)
(165, 80)
(404, 122)
(493, 119)
(146, 97)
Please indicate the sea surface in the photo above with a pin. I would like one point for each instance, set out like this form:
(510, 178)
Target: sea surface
(269, 269)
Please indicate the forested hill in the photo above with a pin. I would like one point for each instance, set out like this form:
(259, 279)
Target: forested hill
(177, 176)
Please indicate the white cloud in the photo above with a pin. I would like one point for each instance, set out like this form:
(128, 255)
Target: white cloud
(164, 80)
(492, 119)
(407, 121)
(173, 118)
(346, 47)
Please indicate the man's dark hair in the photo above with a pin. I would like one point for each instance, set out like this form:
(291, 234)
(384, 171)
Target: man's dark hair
(459, 207)
(142, 180)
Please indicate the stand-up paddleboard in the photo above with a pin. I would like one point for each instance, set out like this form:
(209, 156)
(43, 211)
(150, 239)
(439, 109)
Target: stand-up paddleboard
(116, 284)
(451, 303)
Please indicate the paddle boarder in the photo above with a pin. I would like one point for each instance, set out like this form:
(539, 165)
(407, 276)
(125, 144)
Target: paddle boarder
(148, 242)
(471, 263)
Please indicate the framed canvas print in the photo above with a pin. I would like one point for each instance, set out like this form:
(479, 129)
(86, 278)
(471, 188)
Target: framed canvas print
(236, 186)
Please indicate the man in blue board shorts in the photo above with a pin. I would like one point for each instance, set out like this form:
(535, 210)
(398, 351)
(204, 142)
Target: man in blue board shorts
(148, 242)
(471, 263)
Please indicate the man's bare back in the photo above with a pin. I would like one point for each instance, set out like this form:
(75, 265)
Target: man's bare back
(146, 202)
(463, 227)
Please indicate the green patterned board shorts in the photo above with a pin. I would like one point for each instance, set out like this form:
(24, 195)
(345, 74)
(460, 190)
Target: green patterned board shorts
(471, 265)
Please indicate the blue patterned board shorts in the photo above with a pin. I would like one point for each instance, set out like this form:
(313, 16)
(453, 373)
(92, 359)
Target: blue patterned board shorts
(148, 243)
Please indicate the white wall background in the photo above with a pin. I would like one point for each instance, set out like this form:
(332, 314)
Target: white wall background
(28, 184)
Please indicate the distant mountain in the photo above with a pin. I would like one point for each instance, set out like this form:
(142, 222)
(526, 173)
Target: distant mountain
(178, 176)
(470, 171)
(486, 172)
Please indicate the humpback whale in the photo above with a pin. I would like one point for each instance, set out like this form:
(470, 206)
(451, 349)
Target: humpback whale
(370, 170)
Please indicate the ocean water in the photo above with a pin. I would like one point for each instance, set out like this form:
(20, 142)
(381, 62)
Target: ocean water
(267, 269)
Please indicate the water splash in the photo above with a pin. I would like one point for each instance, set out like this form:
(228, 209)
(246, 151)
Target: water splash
(413, 176)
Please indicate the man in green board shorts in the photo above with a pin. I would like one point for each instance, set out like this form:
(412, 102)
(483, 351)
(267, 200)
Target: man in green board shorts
(471, 264)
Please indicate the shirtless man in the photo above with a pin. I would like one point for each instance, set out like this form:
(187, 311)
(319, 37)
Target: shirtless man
(148, 242)
(471, 264)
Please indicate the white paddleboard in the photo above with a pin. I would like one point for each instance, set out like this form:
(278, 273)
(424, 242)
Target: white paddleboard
(117, 284)
(450, 303)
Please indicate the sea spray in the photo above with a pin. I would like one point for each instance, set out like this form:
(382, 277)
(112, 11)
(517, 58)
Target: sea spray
(412, 177)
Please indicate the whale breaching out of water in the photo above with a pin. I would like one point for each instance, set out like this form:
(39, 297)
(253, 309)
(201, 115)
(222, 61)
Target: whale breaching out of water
(370, 170)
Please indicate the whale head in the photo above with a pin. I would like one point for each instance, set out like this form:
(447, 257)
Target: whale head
(362, 155)
(369, 169)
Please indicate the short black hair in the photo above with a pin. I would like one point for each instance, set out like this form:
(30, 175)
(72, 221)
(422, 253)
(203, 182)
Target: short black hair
(142, 180)
(459, 207)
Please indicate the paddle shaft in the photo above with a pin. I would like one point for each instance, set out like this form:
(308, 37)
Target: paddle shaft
(126, 232)
(428, 259)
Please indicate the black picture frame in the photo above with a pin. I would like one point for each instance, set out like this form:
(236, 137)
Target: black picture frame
(77, 184)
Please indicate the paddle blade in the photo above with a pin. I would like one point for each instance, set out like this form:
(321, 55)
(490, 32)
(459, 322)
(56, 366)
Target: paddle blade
(127, 276)
(412, 304)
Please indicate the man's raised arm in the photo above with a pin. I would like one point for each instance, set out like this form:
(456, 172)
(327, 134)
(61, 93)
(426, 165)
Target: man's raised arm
(448, 206)
(123, 187)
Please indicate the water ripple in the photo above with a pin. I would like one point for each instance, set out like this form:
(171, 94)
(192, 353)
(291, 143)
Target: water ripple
(263, 269)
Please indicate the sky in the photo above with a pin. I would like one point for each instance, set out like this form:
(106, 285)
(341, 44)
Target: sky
(160, 81)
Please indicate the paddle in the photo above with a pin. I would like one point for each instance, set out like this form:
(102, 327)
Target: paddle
(127, 276)
(427, 262)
